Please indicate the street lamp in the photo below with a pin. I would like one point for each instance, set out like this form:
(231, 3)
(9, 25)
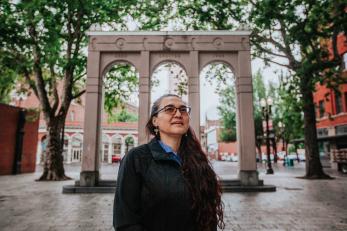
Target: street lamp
(266, 112)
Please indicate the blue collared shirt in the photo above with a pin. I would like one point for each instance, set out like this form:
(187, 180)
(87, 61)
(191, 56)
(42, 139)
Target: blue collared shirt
(173, 155)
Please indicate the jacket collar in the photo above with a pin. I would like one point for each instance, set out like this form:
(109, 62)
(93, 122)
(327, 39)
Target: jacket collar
(157, 151)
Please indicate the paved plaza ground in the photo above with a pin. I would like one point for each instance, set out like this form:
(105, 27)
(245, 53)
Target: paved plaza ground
(296, 205)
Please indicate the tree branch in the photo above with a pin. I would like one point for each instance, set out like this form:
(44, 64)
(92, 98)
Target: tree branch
(270, 52)
(79, 77)
(79, 94)
(277, 63)
(287, 49)
(40, 85)
(29, 81)
(67, 83)
(55, 90)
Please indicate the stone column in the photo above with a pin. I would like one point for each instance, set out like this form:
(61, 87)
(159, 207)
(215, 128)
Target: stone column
(144, 96)
(122, 148)
(248, 174)
(194, 92)
(110, 150)
(69, 150)
(91, 142)
(38, 152)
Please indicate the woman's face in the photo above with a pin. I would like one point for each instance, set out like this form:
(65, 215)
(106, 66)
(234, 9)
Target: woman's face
(173, 117)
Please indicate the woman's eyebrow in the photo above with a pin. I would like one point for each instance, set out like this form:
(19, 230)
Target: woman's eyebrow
(172, 105)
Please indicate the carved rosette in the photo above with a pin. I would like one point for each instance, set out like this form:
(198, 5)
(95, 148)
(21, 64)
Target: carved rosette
(218, 43)
(169, 42)
(120, 42)
(93, 42)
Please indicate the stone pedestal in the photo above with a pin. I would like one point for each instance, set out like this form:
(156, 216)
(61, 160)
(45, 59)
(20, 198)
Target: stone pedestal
(249, 178)
(89, 178)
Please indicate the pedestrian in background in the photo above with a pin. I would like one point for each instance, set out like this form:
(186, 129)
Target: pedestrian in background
(168, 184)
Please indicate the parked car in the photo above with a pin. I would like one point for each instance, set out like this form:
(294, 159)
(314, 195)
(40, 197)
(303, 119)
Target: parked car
(116, 158)
(234, 158)
(281, 155)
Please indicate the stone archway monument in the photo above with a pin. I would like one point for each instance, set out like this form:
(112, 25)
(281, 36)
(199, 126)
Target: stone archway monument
(192, 50)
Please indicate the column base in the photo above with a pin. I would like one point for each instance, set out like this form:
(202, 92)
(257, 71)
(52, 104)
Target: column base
(89, 178)
(249, 178)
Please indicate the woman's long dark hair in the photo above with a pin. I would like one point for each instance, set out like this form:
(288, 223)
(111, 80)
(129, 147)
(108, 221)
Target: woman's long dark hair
(201, 179)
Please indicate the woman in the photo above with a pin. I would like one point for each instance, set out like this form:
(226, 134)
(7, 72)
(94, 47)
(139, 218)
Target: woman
(168, 184)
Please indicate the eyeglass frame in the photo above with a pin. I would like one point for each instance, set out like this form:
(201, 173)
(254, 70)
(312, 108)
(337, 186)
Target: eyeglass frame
(176, 108)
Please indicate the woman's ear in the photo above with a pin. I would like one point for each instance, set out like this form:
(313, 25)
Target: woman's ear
(154, 121)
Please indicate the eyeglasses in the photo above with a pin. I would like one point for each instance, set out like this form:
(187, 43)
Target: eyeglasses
(171, 110)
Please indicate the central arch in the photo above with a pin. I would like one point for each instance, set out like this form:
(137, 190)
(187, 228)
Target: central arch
(192, 50)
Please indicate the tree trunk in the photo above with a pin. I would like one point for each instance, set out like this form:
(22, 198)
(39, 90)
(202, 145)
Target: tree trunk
(53, 166)
(274, 150)
(314, 168)
(260, 155)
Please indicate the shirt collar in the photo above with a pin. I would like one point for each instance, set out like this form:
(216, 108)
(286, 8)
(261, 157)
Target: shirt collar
(166, 147)
(159, 153)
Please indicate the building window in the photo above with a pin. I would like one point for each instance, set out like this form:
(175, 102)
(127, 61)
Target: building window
(341, 130)
(338, 102)
(72, 116)
(344, 61)
(321, 108)
(321, 132)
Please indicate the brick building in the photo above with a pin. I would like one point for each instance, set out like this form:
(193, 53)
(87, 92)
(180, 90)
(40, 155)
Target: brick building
(18, 139)
(117, 137)
(331, 109)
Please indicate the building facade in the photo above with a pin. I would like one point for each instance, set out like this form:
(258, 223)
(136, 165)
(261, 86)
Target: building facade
(117, 137)
(331, 108)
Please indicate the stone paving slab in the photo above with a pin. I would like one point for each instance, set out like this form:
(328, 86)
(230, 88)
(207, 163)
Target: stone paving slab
(296, 205)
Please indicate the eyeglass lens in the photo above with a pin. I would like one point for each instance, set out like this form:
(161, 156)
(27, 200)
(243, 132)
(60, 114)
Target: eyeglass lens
(172, 110)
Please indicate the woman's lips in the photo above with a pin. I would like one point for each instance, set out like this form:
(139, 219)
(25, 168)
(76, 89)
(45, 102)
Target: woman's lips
(180, 123)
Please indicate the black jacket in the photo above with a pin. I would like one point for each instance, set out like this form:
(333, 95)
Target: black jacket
(151, 193)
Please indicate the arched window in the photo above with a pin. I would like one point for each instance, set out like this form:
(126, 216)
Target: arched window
(77, 144)
(116, 145)
(129, 144)
(105, 148)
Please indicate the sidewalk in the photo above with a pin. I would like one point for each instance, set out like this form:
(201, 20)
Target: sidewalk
(296, 205)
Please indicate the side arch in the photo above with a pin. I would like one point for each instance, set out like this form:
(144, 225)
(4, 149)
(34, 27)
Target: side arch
(110, 59)
(163, 62)
(230, 59)
(108, 66)
(217, 61)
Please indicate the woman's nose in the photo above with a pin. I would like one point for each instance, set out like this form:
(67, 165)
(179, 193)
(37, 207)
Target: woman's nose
(179, 113)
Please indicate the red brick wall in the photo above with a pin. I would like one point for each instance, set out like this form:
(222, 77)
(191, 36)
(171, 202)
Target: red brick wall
(8, 124)
(30, 146)
(330, 118)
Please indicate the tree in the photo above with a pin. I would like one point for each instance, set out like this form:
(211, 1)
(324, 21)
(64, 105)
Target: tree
(227, 110)
(45, 41)
(7, 83)
(123, 116)
(291, 34)
(120, 82)
(288, 112)
(259, 92)
(224, 79)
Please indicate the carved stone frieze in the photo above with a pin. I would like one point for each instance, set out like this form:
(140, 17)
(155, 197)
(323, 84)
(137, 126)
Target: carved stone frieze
(176, 42)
